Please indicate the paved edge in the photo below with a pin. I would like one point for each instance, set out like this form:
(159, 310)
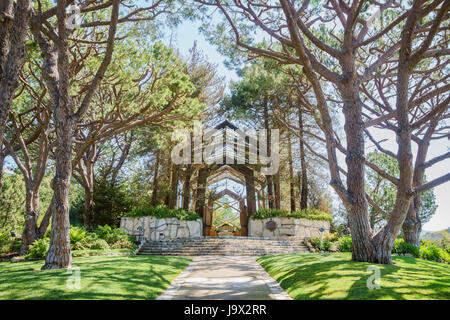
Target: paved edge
(274, 288)
(176, 283)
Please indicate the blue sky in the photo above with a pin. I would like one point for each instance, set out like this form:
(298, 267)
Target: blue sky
(183, 38)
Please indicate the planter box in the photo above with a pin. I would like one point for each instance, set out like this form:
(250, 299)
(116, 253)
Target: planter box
(162, 229)
(288, 228)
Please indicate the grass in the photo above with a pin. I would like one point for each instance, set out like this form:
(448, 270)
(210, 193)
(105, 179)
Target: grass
(103, 277)
(335, 276)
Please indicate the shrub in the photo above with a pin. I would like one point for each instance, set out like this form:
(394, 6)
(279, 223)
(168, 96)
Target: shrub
(345, 244)
(161, 212)
(4, 236)
(434, 253)
(311, 214)
(401, 247)
(440, 243)
(308, 213)
(325, 245)
(123, 243)
(9, 244)
(86, 242)
(80, 245)
(315, 242)
(332, 237)
(268, 213)
(39, 248)
(111, 235)
(76, 234)
(99, 244)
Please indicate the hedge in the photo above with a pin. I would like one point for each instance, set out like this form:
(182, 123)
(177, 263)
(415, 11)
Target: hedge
(308, 213)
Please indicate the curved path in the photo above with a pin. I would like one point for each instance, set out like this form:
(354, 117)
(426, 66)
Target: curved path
(224, 278)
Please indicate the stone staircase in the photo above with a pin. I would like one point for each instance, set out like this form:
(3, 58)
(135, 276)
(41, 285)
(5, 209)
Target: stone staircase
(226, 246)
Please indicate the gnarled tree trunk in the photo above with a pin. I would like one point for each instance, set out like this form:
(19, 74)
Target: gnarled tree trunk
(13, 30)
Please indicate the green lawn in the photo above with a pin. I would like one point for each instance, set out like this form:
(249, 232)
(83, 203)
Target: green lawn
(104, 277)
(334, 276)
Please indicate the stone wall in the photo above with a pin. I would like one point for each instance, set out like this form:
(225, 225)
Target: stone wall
(288, 227)
(167, 228)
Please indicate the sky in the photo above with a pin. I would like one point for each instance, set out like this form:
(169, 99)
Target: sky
(183, 38)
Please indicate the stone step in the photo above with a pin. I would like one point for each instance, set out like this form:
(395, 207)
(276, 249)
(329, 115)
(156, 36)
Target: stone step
(219, 252)
(229, 250)
(233, 246)
(230, 253)
(218, 247)
(230, 241)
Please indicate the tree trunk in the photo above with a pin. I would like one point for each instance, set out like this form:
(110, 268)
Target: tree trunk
(270, 192)
(173, 186)
(154, 200)
(200, 199)
(46, 220)
(89, 207)
(56, 75)
(59, 254)
(304, 175)
(362, 246)
(269, 178)
(187, 187)
(412, 226)
(277, 191)
(6, 6)
(250, 191)
(2, 162)
(291, 174)
(30, 232)
(12, 55)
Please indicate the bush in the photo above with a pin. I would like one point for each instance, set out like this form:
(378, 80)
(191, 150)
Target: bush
(308, 213)
(315, 242)
(99, 244)
(325, 245)
(268, 213)
(345, 244)
(311, 214)
(39, 248)
(86, 242)
(76, 234)
(123, 243)
(80, 246)
(332, 237)
(111, 235)
(401, 247)
(161, 212)
(434, 253)
(9, 244)
(4, 236)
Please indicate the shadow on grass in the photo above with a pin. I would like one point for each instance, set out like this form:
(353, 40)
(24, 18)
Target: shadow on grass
(111, 277)
(335, 276)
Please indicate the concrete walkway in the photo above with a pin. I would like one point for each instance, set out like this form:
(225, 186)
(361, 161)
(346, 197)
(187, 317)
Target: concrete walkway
(224, 278)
